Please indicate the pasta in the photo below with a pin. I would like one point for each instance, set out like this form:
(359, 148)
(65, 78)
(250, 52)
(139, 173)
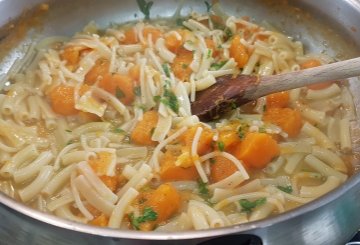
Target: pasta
(98, 128)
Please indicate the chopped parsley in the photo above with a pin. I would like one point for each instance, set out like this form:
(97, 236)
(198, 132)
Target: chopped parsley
(166, 69)
(169, 99)
(221, 145)
(70, 142)
(262, 130)
(228, 33)
(119, 131)
(203, 188)
(212, 160)
(184, 66)
(148, 215)
(137, 91)
(119, 93)
(248, 206)
(264, 108)
(287, 189)
(142, 107)
(242, 130)
(145, 7)
(233, 105)
(68, 130)
(152, 131)
(157, 98)
(217, 66)
(209, 53)
(208, 6)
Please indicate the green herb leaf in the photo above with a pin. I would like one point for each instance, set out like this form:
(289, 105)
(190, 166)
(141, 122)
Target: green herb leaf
(212, 160)
(209, 53)
(262, 130)
(70, 142)
(68, 130)
(217, 66)
(179, 21)
(148, 215)
(242, 130)
(119, 131)
(152, 131)
(248, 206)
(287, 189)
(203, 188)
(264, 108)
(119, 93)
(145, 7)
(208, 6)
(184, 66)
(233, 105)
(157, 98)
(169, 99)
(221, 145)
(166, 69)
(137, 91)
(228, 33)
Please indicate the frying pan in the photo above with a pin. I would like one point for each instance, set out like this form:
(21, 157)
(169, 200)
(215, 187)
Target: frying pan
(327, 26)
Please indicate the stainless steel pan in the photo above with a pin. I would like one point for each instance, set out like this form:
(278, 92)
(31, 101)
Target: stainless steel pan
(324, 26)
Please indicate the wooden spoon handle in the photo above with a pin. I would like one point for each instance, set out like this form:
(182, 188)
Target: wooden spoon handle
(297, 79)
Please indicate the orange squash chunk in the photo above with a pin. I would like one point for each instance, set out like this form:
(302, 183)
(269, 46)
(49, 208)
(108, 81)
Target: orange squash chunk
(121, 86)
(287, 119)
(278, 100)
(170, 172)
(142, 132)
(97, 72)
(257, 150)
(221, 168)
(238, 52)
(181, 64)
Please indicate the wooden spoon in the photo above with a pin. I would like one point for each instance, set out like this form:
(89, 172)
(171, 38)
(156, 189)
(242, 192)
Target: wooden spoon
(230, 92)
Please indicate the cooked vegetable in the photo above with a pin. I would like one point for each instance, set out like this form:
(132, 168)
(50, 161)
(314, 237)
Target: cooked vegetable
(287, 189)
(170, 172)
(221, 168)
(121, 86)
(148, 215)
(314, 63)
(248, 206)
(288, 119)
(62, 100)
(257, 150)
(277, 100)
(181, 64)
(165, 202)
(238, 52)
(141, 134)
(97, 72)
(205, 140)
(101, 221)
(100, 163)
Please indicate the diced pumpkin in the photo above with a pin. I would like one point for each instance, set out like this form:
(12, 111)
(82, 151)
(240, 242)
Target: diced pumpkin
(278, 100)
(221, 168)
(210, 44)
(165, 201)
(205, 141)
(257, 150)
(154, 32)
(100, 163)
(229, 138)
(62, 100)
(110, 181)
(170, 172)
(97, 72)
(101, 221)
(142, 132)
(238, 52)
(181, 64)
(130, 37)
(287, 119)
(134, 72)
(121, 86)
(71, 55)
(172, 43)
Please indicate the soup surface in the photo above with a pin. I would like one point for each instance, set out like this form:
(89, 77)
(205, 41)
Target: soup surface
(98, 128)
